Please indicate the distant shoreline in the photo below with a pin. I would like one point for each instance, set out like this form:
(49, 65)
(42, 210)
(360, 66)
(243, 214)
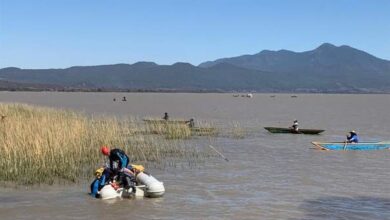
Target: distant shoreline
(31, 89)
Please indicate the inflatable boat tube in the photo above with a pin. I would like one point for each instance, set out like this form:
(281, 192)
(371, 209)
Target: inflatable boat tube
(108, 192)
(153, 187)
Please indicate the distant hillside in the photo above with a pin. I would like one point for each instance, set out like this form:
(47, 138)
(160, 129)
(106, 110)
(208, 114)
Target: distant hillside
(328, 66)
(325, 69)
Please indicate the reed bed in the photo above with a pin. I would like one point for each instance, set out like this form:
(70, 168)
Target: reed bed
(178, 129)
(203, 128)
(45, 145)
(237, 131)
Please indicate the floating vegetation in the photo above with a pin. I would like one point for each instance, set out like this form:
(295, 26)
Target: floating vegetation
(237, 131)
(178, 129)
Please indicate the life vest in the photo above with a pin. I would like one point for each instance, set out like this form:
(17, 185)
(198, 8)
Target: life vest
(137, 168)
(99, 172)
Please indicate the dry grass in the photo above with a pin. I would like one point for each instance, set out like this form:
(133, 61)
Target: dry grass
(237, 131)
(171, 129)
(178, 129)
(44, 145)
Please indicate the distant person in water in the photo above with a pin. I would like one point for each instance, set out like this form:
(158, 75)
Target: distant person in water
(352, 137)
(295, 125)
(114, 99)
(124, 99)
(191, 123)
(166, 117)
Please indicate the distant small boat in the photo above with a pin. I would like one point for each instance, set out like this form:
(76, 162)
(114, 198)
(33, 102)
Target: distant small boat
(292, 131)
(352, 146)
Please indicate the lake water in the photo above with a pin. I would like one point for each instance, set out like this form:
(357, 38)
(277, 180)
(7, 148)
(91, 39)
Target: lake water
(268, 176)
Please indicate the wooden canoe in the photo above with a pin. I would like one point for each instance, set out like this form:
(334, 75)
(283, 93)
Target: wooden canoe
(292, 131)
(352, 146)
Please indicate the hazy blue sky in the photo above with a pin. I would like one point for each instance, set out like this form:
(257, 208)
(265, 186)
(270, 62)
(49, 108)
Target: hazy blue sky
(64, 33)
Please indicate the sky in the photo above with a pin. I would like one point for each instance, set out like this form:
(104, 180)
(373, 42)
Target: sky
(63, 33)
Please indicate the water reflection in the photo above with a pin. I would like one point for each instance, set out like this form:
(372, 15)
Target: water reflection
(337, 207)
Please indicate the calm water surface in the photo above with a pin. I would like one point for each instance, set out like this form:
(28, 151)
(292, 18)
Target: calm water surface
(269, 176)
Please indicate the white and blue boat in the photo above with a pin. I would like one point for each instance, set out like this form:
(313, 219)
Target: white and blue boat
(384, 145)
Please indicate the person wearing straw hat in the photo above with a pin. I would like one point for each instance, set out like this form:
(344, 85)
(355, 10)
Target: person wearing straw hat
(352, 137)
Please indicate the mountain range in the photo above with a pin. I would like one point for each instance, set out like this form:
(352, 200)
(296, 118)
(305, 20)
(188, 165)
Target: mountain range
(327, 68)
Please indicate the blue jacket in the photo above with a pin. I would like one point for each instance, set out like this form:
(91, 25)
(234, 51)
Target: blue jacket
(99, 183)
(353, 138)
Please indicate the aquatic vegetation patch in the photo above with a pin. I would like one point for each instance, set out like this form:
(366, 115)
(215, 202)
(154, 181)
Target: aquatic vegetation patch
(44, 145)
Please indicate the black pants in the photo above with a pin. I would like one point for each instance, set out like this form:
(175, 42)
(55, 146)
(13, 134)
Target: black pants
(126, 180)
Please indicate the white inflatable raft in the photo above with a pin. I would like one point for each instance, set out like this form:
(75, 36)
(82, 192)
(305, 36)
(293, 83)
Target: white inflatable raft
(149, 187)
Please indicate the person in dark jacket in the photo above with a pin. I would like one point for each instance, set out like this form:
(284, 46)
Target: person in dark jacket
(166, 117)
(118, 158)
(352, 137)
(118, 161)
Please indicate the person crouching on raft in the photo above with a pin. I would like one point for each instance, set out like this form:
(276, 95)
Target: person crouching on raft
(116, 155)
(120, 158)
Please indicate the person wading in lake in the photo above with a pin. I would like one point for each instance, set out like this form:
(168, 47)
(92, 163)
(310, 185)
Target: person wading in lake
(166, 117)
(352, 137)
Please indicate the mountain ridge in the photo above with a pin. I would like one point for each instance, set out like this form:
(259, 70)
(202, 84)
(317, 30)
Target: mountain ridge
(327, 68)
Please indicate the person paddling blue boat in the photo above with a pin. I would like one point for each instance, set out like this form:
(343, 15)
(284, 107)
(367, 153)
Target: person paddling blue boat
(352, 137)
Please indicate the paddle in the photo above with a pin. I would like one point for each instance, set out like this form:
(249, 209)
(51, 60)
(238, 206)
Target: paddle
(219, 153)
(345, 145)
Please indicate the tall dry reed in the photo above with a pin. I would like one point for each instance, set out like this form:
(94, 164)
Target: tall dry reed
(45, 145)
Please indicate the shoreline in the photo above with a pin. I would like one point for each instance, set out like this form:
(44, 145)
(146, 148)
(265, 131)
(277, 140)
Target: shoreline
(190, 91)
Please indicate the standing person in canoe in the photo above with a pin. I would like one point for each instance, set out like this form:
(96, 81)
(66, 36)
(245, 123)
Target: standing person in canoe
(295, 125)
(352, 137)
(166, 117)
